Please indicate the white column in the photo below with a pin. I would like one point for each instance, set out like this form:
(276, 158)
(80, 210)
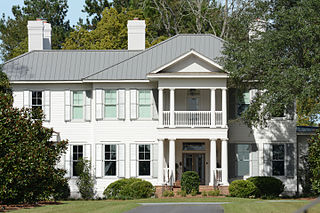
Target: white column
(224, 107)
(171, 107)
(172, 160)
(160, 162)
(224, 161)
(160, 93)
(213, 160)
(213, 108)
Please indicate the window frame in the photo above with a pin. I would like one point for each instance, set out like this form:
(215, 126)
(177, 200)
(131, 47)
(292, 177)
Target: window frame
(284, 160)
(238, 105)
(72, 161)
(105, 160)
(144, 160)
(83, 105)
(104, 104)
(42, 99)
(249, 160)
(139, 104)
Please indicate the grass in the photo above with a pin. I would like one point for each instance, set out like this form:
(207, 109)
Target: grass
(236, 205)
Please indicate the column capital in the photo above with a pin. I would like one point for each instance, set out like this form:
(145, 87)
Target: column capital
(172, 139)
(160, 88)
(225, 139)
(172, 89)
(224, 89)
(213, 139)
(161, 139)
(213, 89)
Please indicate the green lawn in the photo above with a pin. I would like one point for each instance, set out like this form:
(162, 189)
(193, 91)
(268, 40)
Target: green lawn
(235, 205)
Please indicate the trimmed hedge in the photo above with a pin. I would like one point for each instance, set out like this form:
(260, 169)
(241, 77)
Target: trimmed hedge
(267, 186)
(190, 181)
(132, 188)
(242, 188)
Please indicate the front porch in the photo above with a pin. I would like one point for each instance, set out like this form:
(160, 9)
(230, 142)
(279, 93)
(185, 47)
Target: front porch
(207, 157)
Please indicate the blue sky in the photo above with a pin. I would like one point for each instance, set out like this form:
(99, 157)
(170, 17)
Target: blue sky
(74, 12)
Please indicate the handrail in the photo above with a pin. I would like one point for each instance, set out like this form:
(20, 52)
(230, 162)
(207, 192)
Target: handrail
(308, 206)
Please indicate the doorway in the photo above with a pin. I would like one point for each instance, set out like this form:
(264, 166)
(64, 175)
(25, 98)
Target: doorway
(195, 162)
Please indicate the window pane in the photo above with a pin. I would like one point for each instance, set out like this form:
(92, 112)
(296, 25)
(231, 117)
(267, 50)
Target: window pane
(243, 168)
(246, 98)
(147, 156)
(107, 156)
(144, 168)
(194, 147)
(144, 111)
(78, 98)
(110, 111)
(141, 148)
(278, 168)
(278, 152)
(110, 97)
(141, 156)
(75, 169)
(107, 148)
(77, 112)
(113, 148)
(145, 97)
(113, 156)
(147, 148)
(110, 168)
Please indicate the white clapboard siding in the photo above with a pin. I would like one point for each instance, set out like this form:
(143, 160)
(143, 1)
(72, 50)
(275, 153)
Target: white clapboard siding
(121, 104)
(99, 104)
(155, 156)
(133, 104)
(68, 161)
(67, 105)
(121, 160)
(87, 106)
(99, 160)
(26, 98)
(133, 160)
(46, 104)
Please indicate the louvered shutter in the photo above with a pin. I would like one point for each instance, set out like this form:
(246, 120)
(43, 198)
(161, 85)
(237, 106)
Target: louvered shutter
(133, 104)
(290, 159)
(88, 97)
(133, 160)
(155, 104)
(26, 99)
(254, 160)
(252, 94)
(46, 104)
(99, 104)
(68, 161)
(61, 162)
(267, 159)
(155, 157)
(99, 160)
(121, 104)
(121, 160)
(67, 105)
(87, 152)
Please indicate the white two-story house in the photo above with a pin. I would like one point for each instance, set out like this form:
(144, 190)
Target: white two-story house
(150, 113)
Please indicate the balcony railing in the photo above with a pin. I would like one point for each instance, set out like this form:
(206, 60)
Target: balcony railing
(192, 119)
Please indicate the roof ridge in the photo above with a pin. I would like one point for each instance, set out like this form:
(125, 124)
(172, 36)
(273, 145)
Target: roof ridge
(146, 50)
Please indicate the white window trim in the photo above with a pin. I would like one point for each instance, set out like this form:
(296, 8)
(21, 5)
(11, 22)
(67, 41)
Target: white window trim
(42, 98)
(83, 106)
(117, 159)
(250, 160)
(138, 105)
(284, 160)
(151, 157)
(71, 153)
(104, 104)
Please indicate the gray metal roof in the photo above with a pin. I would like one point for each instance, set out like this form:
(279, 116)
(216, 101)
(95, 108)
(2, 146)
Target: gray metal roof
(62, 65)
(138, 66)
(72, 65)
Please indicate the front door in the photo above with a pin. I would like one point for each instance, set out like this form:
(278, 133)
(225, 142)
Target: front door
(195, 162)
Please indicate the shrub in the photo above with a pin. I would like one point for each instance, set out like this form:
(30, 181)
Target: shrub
(214, 193)
(204, 194)
(313, 162)
(182, 193)
(141, 189)
(168, 193)
(267, 186)
(61, 190)
(85, 180)
(194, 192)
(190, 181)
(242, 188)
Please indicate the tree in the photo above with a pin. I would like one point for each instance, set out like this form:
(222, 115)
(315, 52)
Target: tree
(14, 33)
(27, 156)
(85, 182)
(282, 62)
(314, 162)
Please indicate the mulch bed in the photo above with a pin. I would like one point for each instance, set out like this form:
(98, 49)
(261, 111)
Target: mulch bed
(6, 208)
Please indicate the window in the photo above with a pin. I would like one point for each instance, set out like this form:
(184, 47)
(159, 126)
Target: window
(110, 157)
(144, 160)
(77, 155)
(243, 160)
(194, 147)
(243, 103)
(36, 99)
(278, 153)
(144, 103)
(110, 101)
(77, 105)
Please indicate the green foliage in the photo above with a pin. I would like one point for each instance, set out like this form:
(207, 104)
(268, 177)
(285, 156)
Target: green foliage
(314, 161)
(182, 193)
(132, 188)
(214, 193)
(283, 61)
(168, 193)
(61, 190)
(85, 181)
(267, 186)
(190, 181)
(27, 157)
(194, 192)
(94, 9)
(204, 194)
(242, 188)
(13, 31)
